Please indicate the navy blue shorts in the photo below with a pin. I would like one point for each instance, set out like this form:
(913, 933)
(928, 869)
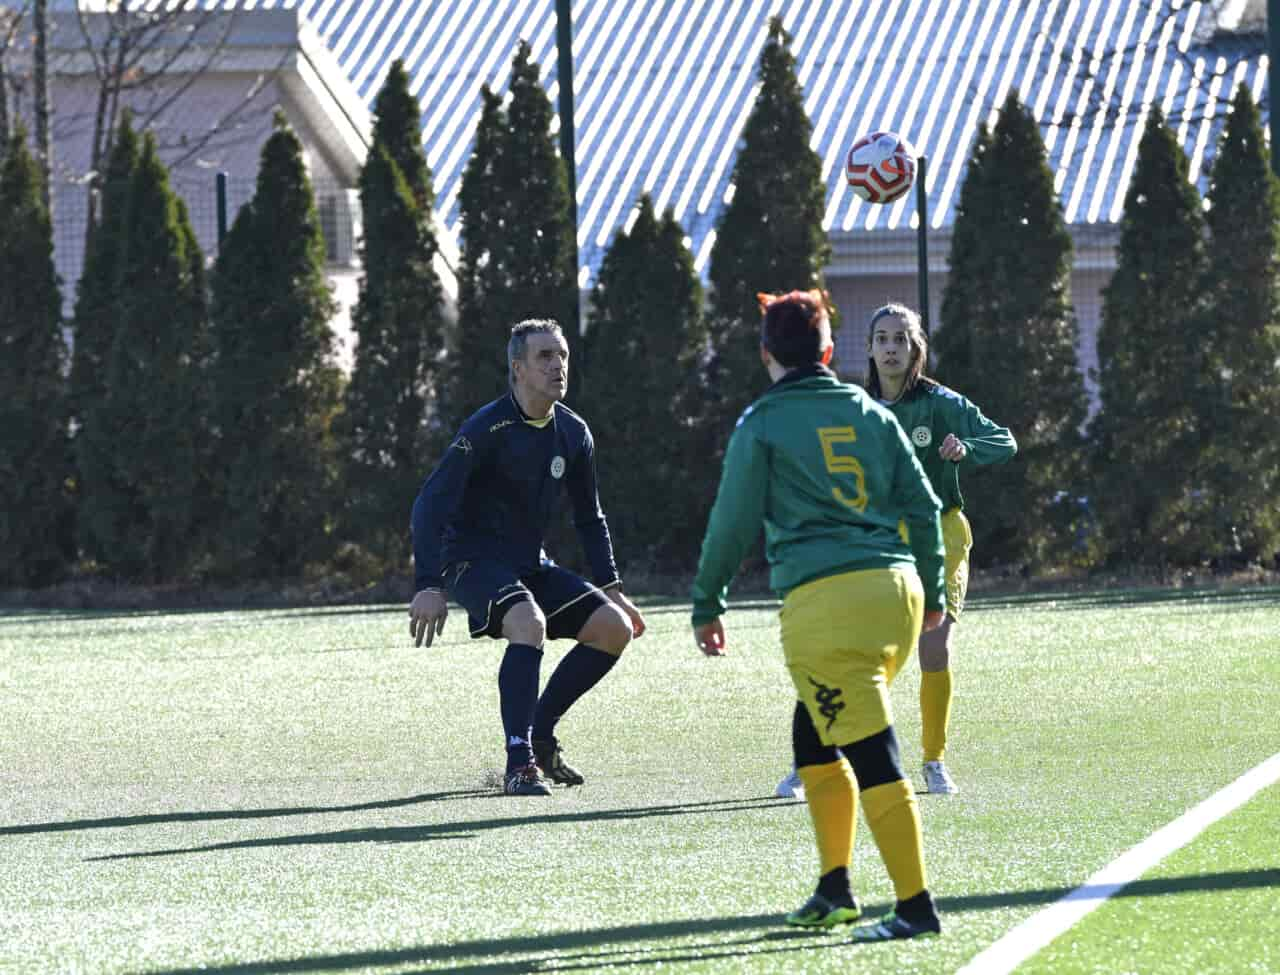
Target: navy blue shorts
(487, 590)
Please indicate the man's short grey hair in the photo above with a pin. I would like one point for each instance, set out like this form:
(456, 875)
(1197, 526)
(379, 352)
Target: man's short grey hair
(519, 340)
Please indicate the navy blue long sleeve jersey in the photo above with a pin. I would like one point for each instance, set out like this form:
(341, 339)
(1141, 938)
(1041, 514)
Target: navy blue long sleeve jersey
(497, 488)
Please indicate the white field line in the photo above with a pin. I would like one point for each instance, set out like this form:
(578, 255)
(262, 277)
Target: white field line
(1042, 927)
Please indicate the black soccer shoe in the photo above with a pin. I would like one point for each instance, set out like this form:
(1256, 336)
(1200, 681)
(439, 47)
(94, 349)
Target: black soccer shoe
(525, 781)
(550, 758)
(894, 927)
(819, 912)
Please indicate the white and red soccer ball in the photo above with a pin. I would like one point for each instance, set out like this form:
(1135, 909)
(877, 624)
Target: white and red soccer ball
(880, 167)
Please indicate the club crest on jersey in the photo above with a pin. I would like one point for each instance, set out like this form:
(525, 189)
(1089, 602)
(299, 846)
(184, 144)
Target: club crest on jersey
(922, 436)
(463, 444)
(557, 467)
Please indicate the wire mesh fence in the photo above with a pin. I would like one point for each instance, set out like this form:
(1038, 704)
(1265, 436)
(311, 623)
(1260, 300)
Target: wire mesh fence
(870, 269)
(338, 208)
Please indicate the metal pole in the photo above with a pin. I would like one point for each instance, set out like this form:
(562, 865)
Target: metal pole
(1273, 79)
(221, 189)
(922, 240)
(564, 74)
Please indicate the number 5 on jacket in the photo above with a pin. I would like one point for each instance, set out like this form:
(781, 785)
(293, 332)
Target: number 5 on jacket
(844, 464)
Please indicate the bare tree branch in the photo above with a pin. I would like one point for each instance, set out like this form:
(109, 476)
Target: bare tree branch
(44, 149)
(136, 55)
(195, 74)
(10, 21)
(218, 126)
(1111, 108)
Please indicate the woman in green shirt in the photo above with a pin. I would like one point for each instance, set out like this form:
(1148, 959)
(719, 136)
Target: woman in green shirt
(948, 433)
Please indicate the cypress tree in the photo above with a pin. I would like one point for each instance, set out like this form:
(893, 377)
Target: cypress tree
(36, 531)
(646, 323)
(397, 128)
(155, 371)
(275, 386)
(964, 299)
(478, 363)
(1241, 339)
(517, 239)
(770, 237)
(534, 183)
(1150, 364)
(101, 496)
(1013, 320)
(399, 327)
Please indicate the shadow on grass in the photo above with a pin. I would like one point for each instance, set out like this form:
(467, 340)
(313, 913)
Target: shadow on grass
(464, 828)
(12, 615)
(1109, 598)
(568, 946)
(568, 941)
(152, 819)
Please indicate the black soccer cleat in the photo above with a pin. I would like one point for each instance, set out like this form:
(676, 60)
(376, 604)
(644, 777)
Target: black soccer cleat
(550, 758)
(894, 927)
(819, 912)
(525, 781)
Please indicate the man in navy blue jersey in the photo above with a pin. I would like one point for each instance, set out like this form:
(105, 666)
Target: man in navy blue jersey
(478, 528)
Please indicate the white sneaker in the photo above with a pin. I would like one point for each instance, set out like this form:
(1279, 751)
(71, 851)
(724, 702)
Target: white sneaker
(938, 781)
(791, 787)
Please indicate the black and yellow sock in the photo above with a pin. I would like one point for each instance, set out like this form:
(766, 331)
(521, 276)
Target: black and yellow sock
(935, 712)
(833, 807)
(894, 819)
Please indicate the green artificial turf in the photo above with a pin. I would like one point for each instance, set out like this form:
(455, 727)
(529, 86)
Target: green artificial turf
(290, 791)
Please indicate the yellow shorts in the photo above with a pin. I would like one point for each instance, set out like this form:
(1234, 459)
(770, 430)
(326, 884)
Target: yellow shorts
(957, 538)
(845, 638)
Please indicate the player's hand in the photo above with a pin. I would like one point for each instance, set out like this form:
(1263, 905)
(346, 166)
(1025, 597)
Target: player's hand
(953, 449)
(427, 614)
(627, 606)
(710, 638)
(932, 619)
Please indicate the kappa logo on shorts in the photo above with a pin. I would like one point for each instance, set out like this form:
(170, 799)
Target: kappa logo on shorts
(828, 704)
(557, 467)
(922, 436)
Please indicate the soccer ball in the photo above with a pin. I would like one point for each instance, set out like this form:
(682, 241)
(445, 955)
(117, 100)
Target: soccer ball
(881, 167)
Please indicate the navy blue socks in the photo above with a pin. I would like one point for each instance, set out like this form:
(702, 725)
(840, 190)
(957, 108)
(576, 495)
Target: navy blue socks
(518, 695)
(579, 671)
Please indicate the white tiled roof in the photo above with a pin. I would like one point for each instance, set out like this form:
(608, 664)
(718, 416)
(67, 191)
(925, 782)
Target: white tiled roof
(665, 86)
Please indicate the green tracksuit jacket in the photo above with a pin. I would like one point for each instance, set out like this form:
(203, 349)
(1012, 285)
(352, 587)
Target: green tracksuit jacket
(931, 411)
(830, 474)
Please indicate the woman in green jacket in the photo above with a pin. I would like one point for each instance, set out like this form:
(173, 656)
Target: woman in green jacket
(948, 432)
(832, 478)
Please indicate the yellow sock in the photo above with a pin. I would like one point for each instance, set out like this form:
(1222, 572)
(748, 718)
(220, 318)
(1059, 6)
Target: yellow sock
(894, 819)
(833, 806)
(935, 712)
